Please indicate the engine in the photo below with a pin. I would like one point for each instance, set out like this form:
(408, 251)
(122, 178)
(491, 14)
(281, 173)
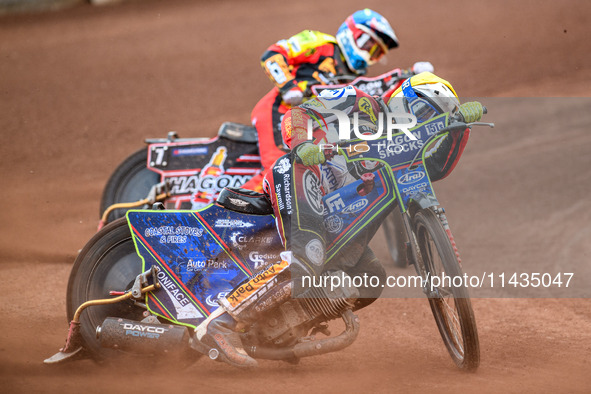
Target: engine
(294, 319)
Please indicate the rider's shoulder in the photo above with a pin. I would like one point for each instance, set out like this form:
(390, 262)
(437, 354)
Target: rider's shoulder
(306, 40)
(331, 99)
(338, 93)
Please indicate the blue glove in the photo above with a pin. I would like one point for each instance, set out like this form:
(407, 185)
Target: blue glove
(472, 111)
(310, 154)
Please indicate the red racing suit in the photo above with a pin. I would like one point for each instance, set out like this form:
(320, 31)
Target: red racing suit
(306, 59)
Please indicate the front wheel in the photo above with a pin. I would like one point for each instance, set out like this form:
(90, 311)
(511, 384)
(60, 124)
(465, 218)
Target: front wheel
(130, 182)
(450, 304)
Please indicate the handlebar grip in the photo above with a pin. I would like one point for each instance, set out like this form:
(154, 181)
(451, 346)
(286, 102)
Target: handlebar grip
(458, 117)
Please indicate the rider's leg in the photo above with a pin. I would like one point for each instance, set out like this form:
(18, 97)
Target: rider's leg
(373, 274)
(220, 331)
(266, 118)
(240, 309)
(299, 221)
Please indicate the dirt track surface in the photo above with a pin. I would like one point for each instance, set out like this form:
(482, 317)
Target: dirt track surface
(80, 90)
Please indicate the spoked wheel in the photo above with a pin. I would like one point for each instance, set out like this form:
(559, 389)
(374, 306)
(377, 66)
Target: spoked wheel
(450, 305)
(130, 182)
(396, 238)
(108, 262)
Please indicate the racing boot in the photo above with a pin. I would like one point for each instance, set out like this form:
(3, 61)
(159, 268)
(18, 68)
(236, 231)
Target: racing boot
(240, 309)
(220, 332)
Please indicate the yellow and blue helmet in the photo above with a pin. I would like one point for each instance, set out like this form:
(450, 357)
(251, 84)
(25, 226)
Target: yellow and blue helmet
(424, 95)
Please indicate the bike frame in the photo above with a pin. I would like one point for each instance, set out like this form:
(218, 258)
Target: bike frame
(183, 163)
(204, 254)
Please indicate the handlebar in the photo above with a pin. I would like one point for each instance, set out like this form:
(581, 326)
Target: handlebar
(457, 124)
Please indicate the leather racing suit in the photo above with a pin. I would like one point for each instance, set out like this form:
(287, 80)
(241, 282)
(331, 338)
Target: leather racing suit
(306, 59)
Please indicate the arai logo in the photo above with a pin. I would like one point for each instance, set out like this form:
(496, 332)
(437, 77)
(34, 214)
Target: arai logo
(356, 206)
(411, 177)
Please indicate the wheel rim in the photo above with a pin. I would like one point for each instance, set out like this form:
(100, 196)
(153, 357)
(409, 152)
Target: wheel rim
(442, 299)
(115, 270)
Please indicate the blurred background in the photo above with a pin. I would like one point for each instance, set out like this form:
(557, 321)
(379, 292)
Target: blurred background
(82, 85)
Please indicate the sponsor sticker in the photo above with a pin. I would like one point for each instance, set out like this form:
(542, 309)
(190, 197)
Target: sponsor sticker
(193, 151)
(312, 192)
(283, 165)
(333, 224)
(140, 330)
(213, 265)
(234, 223)
(241, 241)
(213, 301)
(181, 303)
(315, 252)
(334, 203)
(411, 177)
(238, 202)
(261, 260)
(356, 207)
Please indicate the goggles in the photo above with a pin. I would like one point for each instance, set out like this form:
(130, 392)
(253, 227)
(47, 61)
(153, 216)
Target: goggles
(421, 108)
(368, 41)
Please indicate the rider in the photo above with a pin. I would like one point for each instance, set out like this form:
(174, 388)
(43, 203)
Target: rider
(312, 58)
(299, 214)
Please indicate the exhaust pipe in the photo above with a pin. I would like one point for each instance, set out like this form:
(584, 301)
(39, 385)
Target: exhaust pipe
(313, 347)
(137, 337)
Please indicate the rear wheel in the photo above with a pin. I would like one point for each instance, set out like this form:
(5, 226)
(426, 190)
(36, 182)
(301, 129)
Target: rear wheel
(130, 182)
(450, 305)
(108, 262)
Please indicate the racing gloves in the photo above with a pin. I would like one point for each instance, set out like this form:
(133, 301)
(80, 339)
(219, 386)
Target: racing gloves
(471, 111)
(421, 67)
(310, 154)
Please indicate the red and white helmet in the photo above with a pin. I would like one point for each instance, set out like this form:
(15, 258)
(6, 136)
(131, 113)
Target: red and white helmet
(364, 38)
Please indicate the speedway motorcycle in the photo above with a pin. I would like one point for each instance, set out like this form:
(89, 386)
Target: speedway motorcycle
(189, 173)
(143, 283)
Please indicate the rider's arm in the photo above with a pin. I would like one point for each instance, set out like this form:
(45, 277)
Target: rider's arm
(276, 65)
(444, 155)
(282, 60)
(294, 126)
